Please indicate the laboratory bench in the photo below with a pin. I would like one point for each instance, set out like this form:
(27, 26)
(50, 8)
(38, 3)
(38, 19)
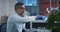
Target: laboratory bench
(38, 26)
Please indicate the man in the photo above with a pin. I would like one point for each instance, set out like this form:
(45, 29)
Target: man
(16, 22)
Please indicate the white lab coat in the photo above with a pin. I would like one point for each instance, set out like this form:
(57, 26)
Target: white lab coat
(16, 23)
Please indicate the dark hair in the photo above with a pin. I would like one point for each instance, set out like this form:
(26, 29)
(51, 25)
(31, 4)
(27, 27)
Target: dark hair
(18, 4)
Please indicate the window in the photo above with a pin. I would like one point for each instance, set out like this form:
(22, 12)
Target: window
(29, 2)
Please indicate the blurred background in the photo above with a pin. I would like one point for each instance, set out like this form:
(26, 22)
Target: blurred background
(34, 7)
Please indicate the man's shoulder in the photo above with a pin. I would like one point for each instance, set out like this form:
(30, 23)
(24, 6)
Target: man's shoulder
(11, 16)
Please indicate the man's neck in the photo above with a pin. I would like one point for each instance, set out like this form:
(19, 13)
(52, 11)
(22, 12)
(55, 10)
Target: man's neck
(21, 15)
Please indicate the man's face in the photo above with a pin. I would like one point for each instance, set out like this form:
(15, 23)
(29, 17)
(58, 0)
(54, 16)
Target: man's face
(20, 9)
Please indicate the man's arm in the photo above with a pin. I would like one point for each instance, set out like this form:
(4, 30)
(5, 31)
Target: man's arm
(19, 19)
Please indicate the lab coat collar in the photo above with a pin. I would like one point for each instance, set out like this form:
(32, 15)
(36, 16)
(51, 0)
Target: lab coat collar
(18, 15)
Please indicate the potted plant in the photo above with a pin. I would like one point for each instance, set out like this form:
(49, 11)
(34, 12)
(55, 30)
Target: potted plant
(53, 21)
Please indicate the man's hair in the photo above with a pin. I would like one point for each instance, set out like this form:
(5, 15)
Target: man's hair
(18, 4)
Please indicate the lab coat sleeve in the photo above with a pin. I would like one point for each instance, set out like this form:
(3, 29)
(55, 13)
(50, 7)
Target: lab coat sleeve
(18, 19)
